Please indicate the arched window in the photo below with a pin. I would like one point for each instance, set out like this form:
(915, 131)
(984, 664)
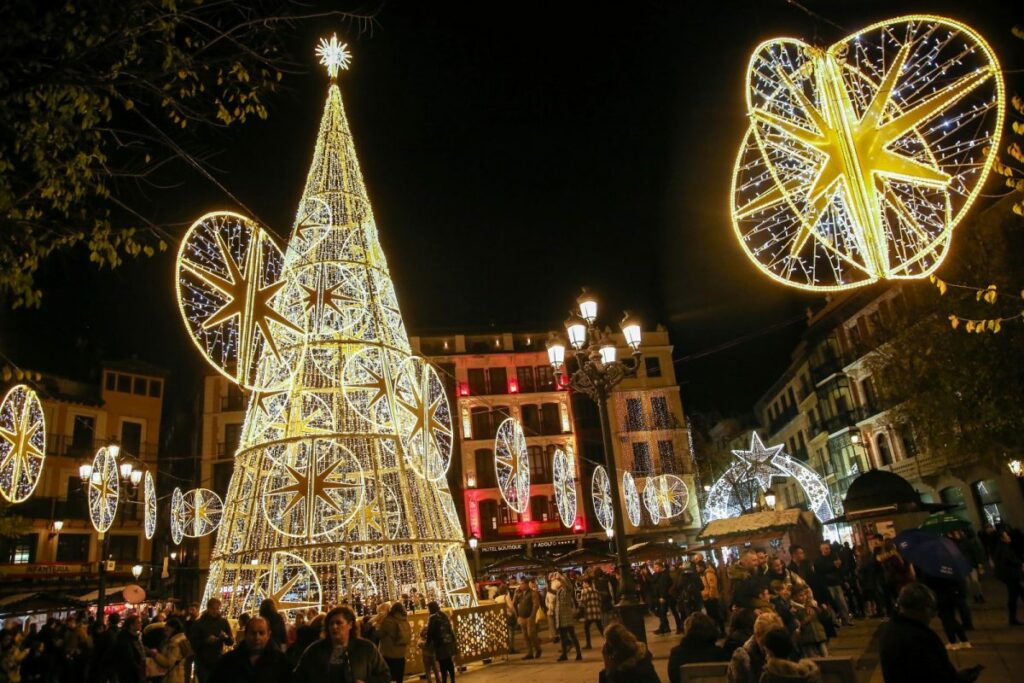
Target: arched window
(485, 476)
(882, 448)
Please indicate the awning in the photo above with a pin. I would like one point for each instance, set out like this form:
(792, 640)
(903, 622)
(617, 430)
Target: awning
(654, 550)
(584, 557)
(30, 603)
(517, 563)
(113, 594)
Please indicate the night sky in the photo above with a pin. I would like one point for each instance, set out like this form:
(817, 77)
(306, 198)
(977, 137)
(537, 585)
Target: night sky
(512, 152)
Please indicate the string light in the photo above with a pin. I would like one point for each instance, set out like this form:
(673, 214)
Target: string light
(564, 477)
(22, 443)
(104, 490)
(149, 501)
(601, 494)
(339, 482)
(861, 158)
(512, 464)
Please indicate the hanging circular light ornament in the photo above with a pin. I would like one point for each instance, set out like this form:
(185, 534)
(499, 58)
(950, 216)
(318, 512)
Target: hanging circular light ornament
(104, 490)
(601, 493)
(564, 476)
(632, 497)
(458, 582)
(424, 419)
(201, 511)
(290, 582)
(651, 500)
(368, 382)
(177, 532)
(512, 465)
(668, 496)
(149, 503)
(235, 298)
(378, 518)
(22, 443)
(862, 157)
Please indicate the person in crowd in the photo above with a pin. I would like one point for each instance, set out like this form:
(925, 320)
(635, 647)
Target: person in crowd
(947, 595)
(1009, 569)
(606, 587)
(564, 616)
(812, 637)
(256, 660)
(972, 549)
(76, 651)
(104, 641)
(395, 636)
(799, 565)
(527, 603)
(341, 655)
(208, 636)
(868, 571)
(243, 620)
(368, 625)
(130, 657)
(626, 660)
(278, 629)
(779, 667)
(505, 598)
(829, 569)
(304, 637)
(37, 666)
(11, 656)
(173, 653)
(777, 571)
(780, 597)
(743, 576)
(441, 637)
(590, 601)
(741, 628)
(909, 649)
(897, 572)
(710, 594)
(748, 660)
(431, 668)
(697, 645)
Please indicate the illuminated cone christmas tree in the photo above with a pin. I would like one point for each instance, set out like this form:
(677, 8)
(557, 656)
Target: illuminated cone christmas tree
(339, 483)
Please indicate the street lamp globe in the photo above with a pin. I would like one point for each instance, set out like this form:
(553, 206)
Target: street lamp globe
(769, 501)
(588, 306)
(114, 450)
(473, 542)
(608, 351)
(126, 470)
(85, 471)
(58, 524)
(556, 352)
(174, 555)
(137, 571)
(576, 327)
(631, 331)
(610, 532)
(135, 477)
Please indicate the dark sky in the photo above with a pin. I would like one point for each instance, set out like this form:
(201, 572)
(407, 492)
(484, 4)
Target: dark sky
(513, 152)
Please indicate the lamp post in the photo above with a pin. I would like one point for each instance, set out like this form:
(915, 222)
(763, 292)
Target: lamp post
(474, 545)
(598, 373)
(131, 476)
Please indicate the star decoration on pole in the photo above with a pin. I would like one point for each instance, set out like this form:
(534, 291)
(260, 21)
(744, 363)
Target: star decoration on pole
(333, 55)
(23, 445)
(759, 462)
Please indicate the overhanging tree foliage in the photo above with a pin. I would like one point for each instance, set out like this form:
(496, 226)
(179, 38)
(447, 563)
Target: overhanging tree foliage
(99, 99)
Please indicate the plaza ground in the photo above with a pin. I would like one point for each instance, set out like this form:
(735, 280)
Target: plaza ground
(997, 646)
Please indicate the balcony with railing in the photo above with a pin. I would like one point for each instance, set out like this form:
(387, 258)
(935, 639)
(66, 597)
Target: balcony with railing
(232, 402)
(83, 449)
(783, 418)
(823, 365)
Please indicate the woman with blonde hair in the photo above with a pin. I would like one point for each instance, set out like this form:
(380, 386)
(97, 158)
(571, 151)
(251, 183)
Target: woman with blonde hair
(626, 659)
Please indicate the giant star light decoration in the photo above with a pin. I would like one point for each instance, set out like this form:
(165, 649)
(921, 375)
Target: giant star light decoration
(333, 55)
(761, 464)
(22, 443)
(861, 158)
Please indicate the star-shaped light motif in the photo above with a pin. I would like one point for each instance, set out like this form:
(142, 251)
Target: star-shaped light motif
(22, 457)
(333, 55)
(316, 488)
(758, 462)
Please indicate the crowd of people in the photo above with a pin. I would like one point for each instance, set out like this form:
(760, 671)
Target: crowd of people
(358, 641)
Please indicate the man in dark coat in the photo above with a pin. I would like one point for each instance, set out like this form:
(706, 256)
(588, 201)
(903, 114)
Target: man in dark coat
(910, 650)
(209, 634)
(255, 660)
(130, 657)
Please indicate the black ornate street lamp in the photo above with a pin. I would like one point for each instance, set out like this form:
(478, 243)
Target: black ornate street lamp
(598, 373)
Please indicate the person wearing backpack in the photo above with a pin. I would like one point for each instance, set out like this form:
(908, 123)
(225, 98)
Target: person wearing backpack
(395, 634)
(527, 603)
(441, 637)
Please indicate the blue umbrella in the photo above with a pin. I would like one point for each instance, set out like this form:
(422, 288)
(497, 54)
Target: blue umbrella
(932, 554)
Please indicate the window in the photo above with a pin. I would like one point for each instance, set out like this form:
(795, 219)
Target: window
(110, 379)
(77, 502)
(73, 547)
(498, 415)
(82, 434)
(481, 419)
(498, 379)
(477, 383)
(659, 411)
(222, 477)
(652, 366)
(447, 372)
(666, 457)
(155, 387)
(124, 384)
(123, 548)
(20, 550)
(909, 447)
(550, 419)
(539, 507)
(525, 377)
(545, 378)
(642, 459)
(882, 448)
(232, 437)
(531, 419)
(131, 438)
(539, 472)
(139, 386)
(987, 493)
(234, 399)
(485, 476)
(634, 415)
(488, 518)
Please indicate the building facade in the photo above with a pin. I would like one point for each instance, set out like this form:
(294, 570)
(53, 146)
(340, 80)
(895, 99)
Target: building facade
(827, 412)
(124, 408)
